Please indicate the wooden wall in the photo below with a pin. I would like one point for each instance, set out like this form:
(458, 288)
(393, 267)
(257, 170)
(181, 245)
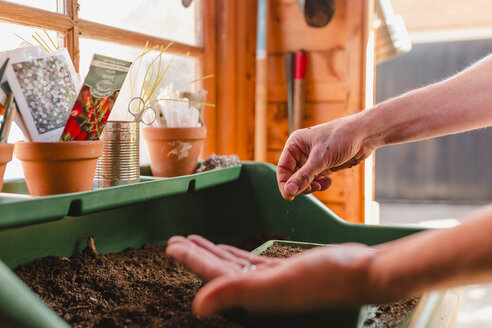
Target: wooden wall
(335, 82)
(438, 15)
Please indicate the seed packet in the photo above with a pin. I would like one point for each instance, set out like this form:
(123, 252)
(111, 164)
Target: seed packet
(45, 87)
(96, 98)
(4, 90)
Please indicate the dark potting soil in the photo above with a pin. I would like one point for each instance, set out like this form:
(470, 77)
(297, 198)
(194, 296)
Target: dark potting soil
(386, 315)
(133, 288)
(394, 314)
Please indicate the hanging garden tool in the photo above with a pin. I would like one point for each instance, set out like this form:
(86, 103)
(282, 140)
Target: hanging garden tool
(299, 92)
(186, 3)
(317, 13)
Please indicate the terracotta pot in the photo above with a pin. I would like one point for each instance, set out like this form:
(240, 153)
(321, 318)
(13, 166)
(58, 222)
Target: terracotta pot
(173, 151)
(58, 167)
(5, 157)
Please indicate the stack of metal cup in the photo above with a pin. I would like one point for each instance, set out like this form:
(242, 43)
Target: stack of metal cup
(120, 161)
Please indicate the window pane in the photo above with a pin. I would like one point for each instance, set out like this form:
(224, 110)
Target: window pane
(165, 19)
(12, 36)
(181, 72)
(49, 5)
(11, 41)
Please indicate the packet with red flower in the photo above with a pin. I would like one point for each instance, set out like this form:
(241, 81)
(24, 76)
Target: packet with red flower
(96, 98)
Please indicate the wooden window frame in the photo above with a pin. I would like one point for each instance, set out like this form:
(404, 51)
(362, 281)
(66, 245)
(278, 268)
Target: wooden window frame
(71, 28)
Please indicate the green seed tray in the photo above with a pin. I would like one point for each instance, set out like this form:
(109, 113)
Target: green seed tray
(225, 206)
(38, 209)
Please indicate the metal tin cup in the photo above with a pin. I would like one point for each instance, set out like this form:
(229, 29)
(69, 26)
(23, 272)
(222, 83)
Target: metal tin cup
(120, 161)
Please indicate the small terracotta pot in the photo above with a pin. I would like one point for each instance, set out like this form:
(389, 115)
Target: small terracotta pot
(58, 167)
(173, 151)
(5, 157)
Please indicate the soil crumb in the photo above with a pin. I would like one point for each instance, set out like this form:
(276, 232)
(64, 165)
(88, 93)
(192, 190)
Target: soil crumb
(133, 288)
(213, 162)
(386, 315)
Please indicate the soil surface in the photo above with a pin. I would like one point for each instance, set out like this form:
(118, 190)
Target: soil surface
(277, 250)
(386, 315)
(133, 288)
(145, 288)
(394, 314)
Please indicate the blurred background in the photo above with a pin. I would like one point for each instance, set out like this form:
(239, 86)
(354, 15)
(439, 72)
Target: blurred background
(436, 182)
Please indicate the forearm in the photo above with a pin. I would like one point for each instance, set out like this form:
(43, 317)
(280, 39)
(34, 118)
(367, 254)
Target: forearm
(436, 259)
(460, 103)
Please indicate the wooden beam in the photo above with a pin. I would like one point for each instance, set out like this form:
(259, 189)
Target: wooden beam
(209, 67)
(71, 37)
(245, 72)
(226, 75)
(107, 33)
(24, 15)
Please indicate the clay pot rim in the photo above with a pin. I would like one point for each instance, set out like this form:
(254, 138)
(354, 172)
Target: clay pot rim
(61, 150)
(163, 133)
(6, 151)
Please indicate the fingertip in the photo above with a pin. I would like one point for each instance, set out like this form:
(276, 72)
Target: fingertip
(291, 189)
(199, 307)
(175, 239)
(209, 299)
(198, 238)
(286, 197)
(325, 183)
(174, 249)
(315, 186)
(221, 294)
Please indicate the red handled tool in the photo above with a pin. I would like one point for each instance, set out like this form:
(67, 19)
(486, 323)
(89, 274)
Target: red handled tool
(299, 94)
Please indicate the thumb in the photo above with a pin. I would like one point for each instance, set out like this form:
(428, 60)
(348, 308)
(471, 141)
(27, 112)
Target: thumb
(255, 291)
(300, 180)
(219, 294)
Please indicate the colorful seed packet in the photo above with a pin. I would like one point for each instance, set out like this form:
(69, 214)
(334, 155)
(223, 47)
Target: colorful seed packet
(96, 98)
(4, 90)
(45, 87)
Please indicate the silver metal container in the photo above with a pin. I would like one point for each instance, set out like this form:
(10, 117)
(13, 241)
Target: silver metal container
(120, 161)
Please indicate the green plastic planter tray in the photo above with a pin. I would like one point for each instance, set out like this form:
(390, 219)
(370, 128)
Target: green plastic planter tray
(37, 209)
(225, 206)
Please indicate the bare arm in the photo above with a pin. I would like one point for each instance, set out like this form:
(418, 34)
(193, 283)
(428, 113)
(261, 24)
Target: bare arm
(436, 259)
(460, 103)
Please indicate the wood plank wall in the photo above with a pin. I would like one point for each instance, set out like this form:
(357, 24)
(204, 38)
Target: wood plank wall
(334, 83)
(435, 15)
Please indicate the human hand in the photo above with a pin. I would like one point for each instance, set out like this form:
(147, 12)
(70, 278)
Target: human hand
(211, 261)
(317, 278)
(311, 155)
